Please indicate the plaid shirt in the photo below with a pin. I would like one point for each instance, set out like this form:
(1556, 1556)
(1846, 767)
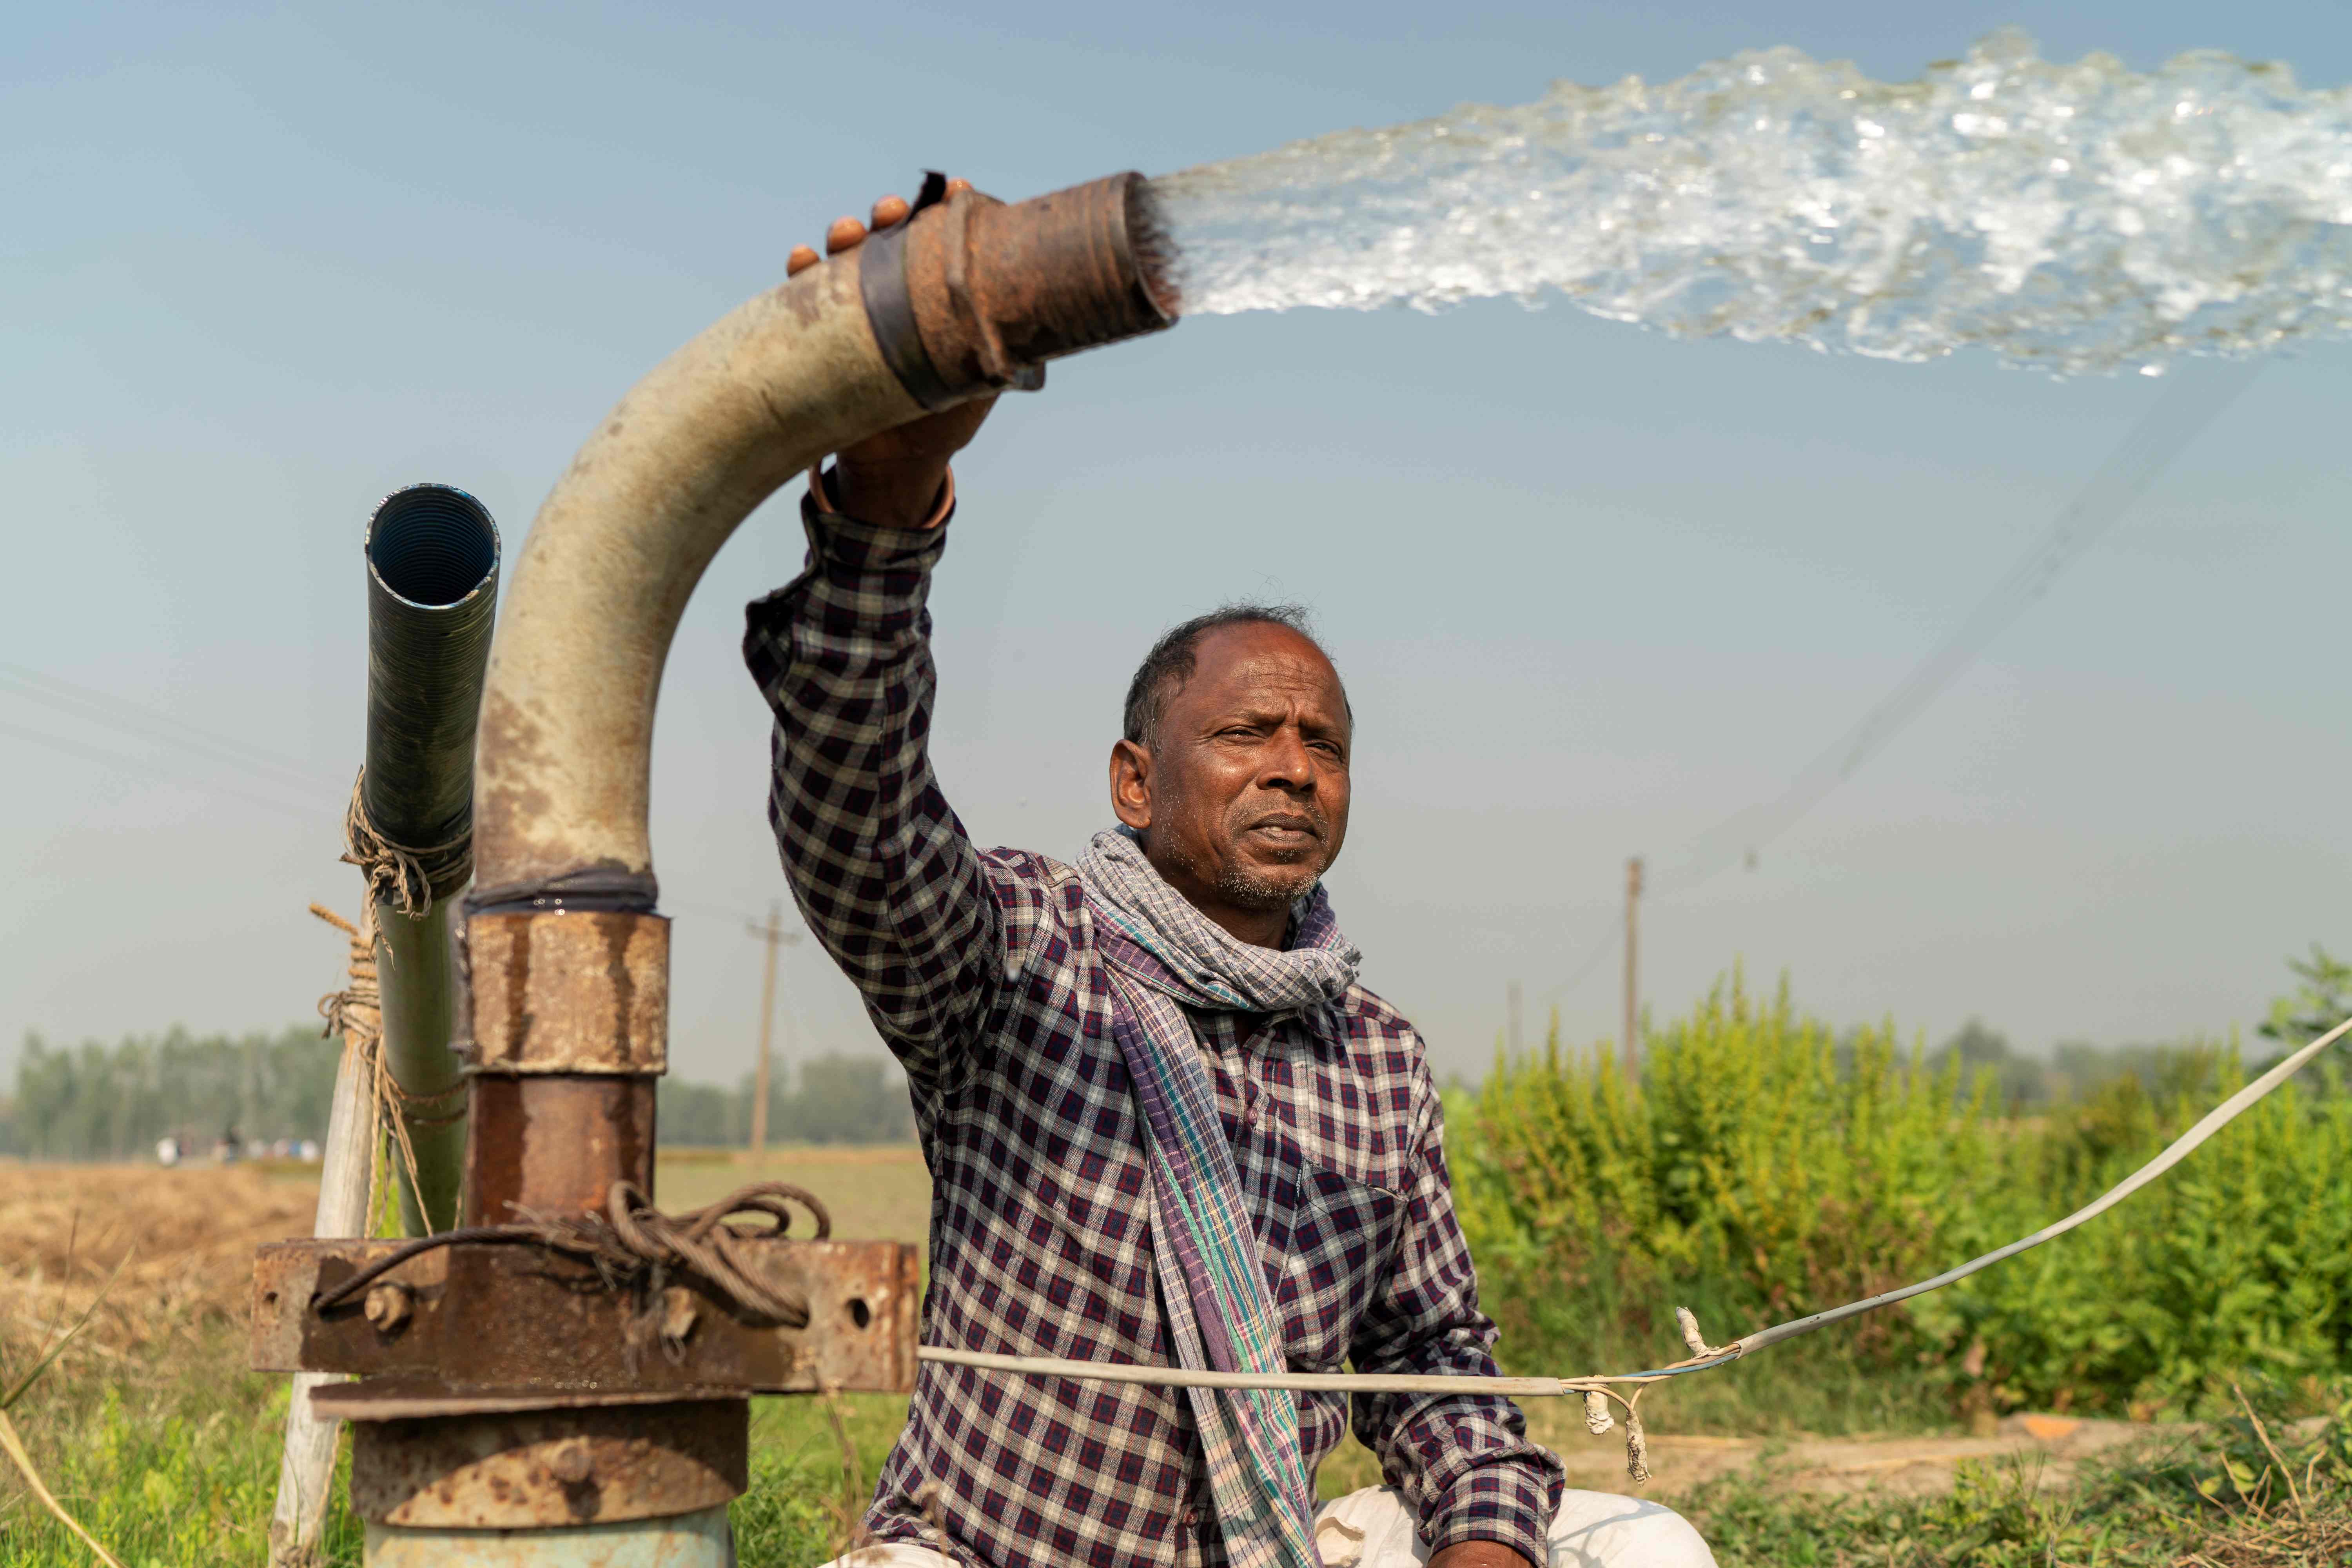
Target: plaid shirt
(982, 972)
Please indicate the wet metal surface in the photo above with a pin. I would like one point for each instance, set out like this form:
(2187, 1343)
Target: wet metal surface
(537, 1468)
(575, 991)
(484, 1317)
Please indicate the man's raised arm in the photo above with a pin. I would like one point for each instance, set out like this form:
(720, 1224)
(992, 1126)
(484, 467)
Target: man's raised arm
(880, 867)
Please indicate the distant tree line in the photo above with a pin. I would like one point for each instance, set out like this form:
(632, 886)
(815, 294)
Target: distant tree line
(2074, 1069)
(97, 1101)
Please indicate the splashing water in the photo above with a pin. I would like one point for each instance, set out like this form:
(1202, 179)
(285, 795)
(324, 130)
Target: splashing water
(2078, 217)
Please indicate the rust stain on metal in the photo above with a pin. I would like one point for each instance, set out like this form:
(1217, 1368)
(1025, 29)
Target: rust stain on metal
(486, 1317)
(622, 980)
(505, 811)
(517, 977)
(570, 992)
(556, 1142)
(997, 290)
(288, 1275)
(536, 1468)
(419, 1397)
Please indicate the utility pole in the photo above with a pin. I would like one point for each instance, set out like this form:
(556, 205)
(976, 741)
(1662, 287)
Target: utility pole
(772, 933)
(1632, 1040)
(1511, 1013)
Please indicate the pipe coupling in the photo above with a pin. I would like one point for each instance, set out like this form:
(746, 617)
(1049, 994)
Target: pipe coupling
(973, 296)
(570, 992)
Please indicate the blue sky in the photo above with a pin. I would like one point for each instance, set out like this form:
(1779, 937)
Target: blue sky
(1594, 590)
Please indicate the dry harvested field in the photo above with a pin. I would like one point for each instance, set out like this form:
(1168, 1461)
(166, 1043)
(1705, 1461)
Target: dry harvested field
(183, 1239)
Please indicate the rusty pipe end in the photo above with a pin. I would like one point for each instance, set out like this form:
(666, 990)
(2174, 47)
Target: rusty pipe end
(974, 295)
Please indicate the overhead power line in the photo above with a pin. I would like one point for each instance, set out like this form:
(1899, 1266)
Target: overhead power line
(135, 764)
(135, 719)
(2178, 418)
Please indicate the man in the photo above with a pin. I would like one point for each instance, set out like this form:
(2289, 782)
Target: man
(1164, 1123)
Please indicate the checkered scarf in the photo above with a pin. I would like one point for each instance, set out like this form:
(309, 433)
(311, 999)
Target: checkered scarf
(1164, 956)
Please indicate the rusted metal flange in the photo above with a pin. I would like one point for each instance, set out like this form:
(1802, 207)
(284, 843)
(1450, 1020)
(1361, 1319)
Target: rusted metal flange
(482, 1322)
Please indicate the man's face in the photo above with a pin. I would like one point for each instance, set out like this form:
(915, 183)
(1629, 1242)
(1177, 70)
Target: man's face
(1242, 797)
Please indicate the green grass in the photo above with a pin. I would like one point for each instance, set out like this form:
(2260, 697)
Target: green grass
(2234, 1496)
(173, 1467)
(177, 1468)
(168, 1465)
(176, 1464)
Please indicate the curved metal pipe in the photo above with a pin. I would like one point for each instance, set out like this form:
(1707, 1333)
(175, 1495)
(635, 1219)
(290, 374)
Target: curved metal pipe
(969, 296)
(433, 585)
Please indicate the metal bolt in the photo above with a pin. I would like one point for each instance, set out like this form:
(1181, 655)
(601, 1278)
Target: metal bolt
(678, 1314)
(388, 1307)
(572, 1463)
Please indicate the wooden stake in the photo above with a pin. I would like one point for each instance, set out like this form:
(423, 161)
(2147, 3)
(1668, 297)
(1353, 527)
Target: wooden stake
(306, 1467)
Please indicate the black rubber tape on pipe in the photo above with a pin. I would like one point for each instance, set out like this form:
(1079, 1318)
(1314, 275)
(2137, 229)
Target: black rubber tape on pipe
(433, 588)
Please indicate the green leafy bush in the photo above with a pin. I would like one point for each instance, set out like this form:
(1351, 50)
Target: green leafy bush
(1767, 1167)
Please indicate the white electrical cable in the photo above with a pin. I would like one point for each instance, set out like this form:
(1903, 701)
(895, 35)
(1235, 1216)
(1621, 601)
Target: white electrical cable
(1705, 1357)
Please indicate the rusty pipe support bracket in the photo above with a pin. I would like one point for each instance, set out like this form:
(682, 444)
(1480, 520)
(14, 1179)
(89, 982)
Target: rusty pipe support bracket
(485, 1322)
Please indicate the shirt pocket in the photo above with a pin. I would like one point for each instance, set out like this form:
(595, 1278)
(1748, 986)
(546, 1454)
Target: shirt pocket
(1343, 1237)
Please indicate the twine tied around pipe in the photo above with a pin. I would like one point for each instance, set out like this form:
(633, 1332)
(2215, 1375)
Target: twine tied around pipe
(356, 1012)
(397, 874)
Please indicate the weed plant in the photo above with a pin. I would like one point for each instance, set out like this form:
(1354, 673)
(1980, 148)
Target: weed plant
(1766, 1168)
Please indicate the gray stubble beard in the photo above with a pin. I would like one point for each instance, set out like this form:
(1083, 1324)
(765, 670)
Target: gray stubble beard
(1246, 889)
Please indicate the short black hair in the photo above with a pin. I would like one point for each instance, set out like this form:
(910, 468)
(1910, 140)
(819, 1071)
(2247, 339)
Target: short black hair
(1170, 664)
